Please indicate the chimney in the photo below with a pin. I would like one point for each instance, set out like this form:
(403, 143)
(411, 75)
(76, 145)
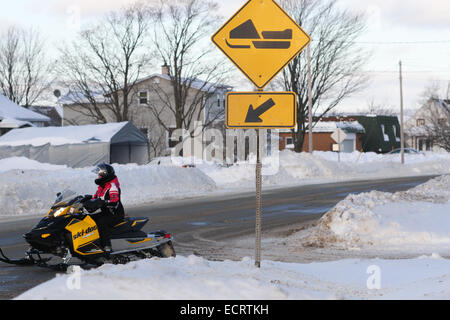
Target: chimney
(165, 69)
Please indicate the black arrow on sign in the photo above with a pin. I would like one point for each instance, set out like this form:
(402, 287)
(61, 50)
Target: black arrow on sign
(253, 115)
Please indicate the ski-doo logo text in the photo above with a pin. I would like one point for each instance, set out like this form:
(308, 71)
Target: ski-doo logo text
(84, 233)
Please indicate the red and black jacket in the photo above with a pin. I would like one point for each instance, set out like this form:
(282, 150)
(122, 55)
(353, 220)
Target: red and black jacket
(110, 193)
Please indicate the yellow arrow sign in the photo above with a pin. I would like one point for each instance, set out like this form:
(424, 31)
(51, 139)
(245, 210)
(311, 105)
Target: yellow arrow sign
(261, 39)
(268, 110)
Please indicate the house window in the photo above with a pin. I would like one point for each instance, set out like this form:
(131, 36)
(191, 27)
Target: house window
(143, 97)
(289, 141)
(394, 128)
(424, 144)
(172, 142)
(420, 122)
(385, 136)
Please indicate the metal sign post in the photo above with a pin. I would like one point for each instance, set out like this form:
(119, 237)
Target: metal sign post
(261, 39)
(258, 202)
(338, 135)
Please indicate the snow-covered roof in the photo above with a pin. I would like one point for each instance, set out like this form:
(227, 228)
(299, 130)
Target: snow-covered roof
(346, 126)
(417, 131)
(61, 135)
(14, 123)
(444, 104)
(331, 126)
(78, 97)
(9, 109)
(196, 83)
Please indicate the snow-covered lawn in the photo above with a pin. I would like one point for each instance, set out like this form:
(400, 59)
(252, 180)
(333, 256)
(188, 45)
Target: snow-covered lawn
(194, 278)
(28, 187)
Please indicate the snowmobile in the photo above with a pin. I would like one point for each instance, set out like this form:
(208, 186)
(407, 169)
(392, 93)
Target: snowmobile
(68, 232)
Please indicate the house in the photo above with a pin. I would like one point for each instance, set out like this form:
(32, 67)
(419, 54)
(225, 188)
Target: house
(382, 133)
(150, 108)
(420, 128)
(322, 132)
(13, 116)
(53, 112)
(367, 133)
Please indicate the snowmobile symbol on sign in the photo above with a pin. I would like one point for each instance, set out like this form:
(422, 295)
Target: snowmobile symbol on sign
(247, 30)
(262, 54)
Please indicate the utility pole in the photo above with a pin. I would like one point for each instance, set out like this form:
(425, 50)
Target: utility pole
(402, 137)
(310, 134)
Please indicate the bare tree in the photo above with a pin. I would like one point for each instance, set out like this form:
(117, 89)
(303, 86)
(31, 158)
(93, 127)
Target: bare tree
(437, 124)
(181, 36)
(336, 61)
(25, 70)
(380, 108)
(434, 90)
(436, 101)
(103, 65)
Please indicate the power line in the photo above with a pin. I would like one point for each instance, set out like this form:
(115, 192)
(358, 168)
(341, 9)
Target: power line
(391, 42)
(412, 71)
(403, 42)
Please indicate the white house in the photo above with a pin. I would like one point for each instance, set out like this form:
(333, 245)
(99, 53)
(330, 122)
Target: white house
(13, 116)
(435, 112)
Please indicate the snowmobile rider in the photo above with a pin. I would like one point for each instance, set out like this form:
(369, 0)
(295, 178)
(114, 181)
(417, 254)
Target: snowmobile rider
(107, 198)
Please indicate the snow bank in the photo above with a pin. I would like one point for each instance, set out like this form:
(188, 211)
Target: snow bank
(31, 192)
(194, 278)
(416, 219)
(28, 187)
(303, 168)
(23, 163)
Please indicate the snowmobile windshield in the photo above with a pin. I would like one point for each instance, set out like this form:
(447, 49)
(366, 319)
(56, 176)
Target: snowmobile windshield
(64, 198)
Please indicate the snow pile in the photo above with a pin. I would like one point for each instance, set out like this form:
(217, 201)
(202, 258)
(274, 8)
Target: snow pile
(32, 192)
(23, 163)
(292, 168)
(28, 187)
(296, 166)
(194, 278)
(417, 219)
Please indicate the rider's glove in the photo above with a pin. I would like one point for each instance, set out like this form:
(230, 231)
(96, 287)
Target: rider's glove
(94, 204)
(87, 197)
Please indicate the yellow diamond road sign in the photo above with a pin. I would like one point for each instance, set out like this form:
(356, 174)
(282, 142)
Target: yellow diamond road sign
(261, 39)
(261, 110)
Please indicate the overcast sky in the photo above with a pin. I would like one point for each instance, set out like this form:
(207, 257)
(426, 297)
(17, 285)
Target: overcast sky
(417, 32)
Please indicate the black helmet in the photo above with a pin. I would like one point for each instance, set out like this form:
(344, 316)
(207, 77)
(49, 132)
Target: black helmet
(105, 172)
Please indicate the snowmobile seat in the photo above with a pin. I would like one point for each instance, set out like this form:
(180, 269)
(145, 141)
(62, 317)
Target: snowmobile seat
(130, 224)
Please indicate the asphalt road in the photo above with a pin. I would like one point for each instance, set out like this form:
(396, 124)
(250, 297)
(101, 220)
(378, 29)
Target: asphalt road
(196, 222)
